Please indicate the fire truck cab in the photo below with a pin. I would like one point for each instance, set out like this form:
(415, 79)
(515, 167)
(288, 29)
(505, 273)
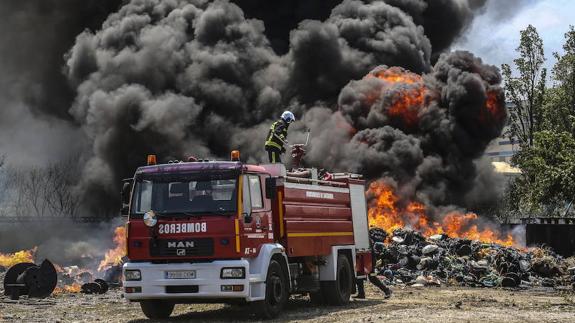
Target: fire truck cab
(229, 232)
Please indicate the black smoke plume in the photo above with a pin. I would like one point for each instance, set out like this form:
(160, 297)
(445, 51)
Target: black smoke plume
(35, 126)
(423, 133)
(197, 77)
(35, 36)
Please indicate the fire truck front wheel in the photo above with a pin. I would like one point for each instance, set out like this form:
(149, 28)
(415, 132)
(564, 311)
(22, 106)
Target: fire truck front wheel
(277, 293)
(338, 292)
(157, 309)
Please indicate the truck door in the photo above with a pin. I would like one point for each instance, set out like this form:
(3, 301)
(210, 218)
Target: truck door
(256, 217)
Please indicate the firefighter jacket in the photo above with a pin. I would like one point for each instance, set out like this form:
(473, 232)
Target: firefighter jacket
(277, 135)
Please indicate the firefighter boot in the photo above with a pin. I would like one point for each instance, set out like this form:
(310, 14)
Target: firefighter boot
(360, 289)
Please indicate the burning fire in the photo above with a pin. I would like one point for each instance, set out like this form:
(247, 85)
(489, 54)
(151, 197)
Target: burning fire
(72, 288)
(114, 256)
(10, 259)
(396, 75)
(407, 92)
(386, 212)
(493, 106)
(71, 278)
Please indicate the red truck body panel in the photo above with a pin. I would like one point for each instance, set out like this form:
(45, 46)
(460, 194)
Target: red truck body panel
(316, 218)
(306, 219)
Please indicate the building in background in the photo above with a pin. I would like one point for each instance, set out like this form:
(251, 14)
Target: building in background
(503, 148)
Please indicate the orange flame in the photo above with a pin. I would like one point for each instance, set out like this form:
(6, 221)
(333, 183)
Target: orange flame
(386, 212)
(114, 256)
(494, 106)
(72, 288)
(407, 92)
(10, 259)
(494, 109)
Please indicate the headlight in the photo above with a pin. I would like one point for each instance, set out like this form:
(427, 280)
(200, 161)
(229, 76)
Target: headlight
(233, 273)
(150, 218)
(132, 274)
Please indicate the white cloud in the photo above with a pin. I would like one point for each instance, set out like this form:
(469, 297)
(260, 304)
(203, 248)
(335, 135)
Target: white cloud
(495, 40)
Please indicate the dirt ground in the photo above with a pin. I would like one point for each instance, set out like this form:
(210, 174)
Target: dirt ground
(408, 304)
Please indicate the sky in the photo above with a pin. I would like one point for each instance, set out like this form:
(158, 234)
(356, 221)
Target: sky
(494, 35)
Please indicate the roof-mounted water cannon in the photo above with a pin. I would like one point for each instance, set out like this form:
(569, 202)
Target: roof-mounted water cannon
(298, 151)
(235, 155)
(152, 160)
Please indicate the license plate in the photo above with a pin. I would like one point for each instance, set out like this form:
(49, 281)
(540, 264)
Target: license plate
(186, 274)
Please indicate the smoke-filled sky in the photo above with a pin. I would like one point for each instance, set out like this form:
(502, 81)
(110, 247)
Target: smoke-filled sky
(494, 35)
(116, 80)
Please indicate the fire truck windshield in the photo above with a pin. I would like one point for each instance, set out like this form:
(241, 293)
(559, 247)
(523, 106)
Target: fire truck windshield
(184, 196)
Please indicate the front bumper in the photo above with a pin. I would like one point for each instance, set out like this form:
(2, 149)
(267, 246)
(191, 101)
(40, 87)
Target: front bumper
(208, 281)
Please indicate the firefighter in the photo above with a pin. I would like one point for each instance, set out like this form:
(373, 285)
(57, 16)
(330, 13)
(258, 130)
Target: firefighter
(376, 238)
(276, 139)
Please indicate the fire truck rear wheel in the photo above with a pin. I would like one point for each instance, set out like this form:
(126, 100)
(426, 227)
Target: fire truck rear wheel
(277, 293)
(157, 309)
(338, 292)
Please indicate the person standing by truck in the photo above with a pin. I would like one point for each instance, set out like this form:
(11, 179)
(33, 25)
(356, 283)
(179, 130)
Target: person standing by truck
(276, 139)
(376, 236)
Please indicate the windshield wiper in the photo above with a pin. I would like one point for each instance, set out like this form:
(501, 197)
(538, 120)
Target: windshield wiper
(228, 213)
(180, 213)
(195, 214)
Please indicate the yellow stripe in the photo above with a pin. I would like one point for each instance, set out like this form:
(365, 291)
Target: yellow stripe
(281, 212)
(240, 196)
(273, 144)
(240, 211)
(237, 235)
(319, 234)
(127, 228)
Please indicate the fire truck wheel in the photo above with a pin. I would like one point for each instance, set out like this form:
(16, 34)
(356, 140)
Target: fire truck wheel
(157, 309)
(276, 292)
(338, 292)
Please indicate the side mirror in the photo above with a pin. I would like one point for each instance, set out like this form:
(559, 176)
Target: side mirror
(125, 196)
(271, 188)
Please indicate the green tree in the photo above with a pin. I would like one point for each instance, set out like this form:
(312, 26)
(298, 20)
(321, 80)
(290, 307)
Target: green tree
(560, 100)
(548, 171)
(527, 90)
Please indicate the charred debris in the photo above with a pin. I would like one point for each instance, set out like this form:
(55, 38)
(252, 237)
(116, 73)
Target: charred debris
(41, 281)
(406, 257)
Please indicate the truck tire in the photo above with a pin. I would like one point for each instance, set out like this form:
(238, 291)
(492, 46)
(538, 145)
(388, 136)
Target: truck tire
(277, 292)
(157, 309)
(338, 292)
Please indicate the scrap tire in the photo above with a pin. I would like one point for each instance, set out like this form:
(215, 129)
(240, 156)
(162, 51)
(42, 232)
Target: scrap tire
(157, 309)
(277, 292)
(338, 292)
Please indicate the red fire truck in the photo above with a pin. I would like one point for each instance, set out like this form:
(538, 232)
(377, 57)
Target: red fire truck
(229, 232)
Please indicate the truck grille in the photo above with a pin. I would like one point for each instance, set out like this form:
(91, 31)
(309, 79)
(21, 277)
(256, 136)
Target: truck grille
(182, 248)
(182, 289)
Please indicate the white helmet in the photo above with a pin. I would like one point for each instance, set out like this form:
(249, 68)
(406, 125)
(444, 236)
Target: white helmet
(288, 117)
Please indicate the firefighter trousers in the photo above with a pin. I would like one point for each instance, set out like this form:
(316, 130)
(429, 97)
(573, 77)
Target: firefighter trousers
(274, 155)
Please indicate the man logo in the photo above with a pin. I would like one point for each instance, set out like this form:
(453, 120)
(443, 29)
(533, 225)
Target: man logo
(181, 252)
(180, 244)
